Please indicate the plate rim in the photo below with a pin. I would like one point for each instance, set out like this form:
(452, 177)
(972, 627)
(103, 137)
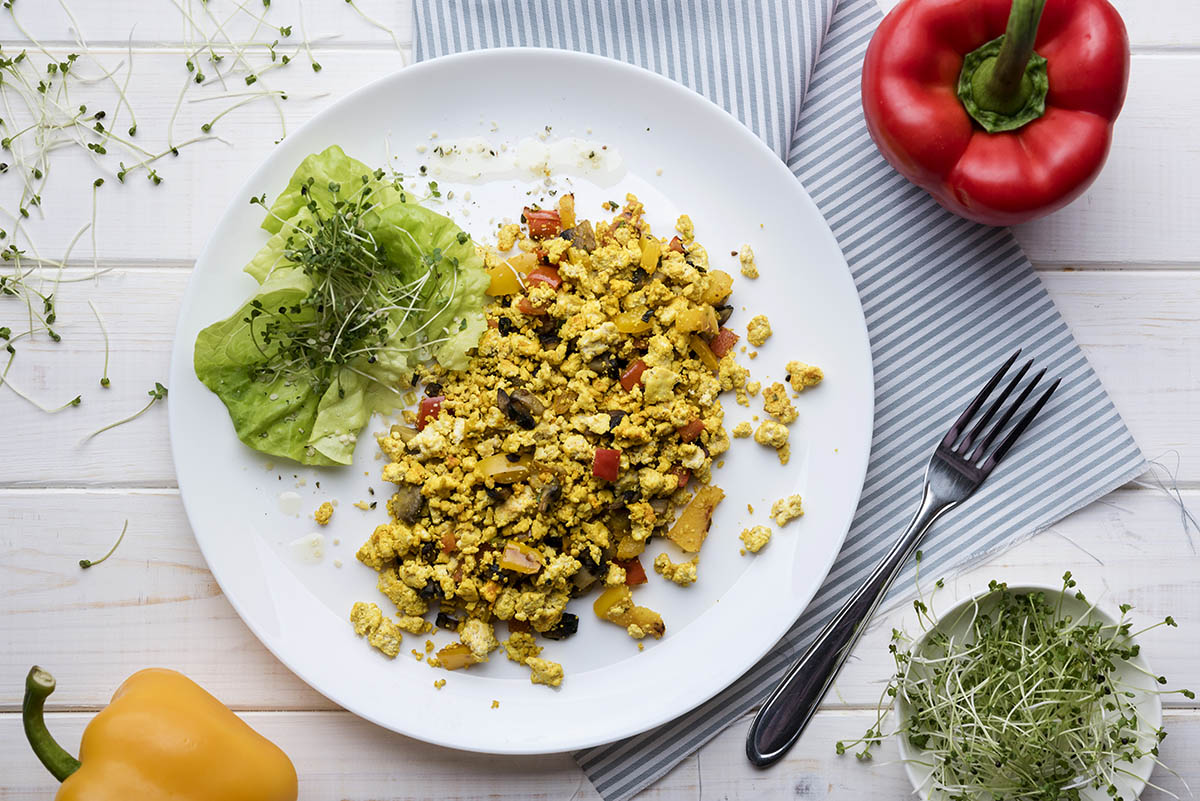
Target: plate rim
(181, 356)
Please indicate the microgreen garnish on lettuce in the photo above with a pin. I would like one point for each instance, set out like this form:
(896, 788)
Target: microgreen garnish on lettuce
(357, 286)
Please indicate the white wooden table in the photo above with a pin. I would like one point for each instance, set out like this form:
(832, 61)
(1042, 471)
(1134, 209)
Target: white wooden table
(1123, 264)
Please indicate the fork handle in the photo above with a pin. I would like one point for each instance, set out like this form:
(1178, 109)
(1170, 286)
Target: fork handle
(788, 709)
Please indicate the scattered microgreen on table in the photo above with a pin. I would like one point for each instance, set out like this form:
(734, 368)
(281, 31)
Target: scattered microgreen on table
(230, 49)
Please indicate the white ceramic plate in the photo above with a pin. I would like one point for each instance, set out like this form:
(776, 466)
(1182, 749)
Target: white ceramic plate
(1135, 675)
(681, 154)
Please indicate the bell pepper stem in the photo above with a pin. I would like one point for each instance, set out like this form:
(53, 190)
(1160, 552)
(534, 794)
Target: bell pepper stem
(38, 686)
(1019, 36)
(1003, 84)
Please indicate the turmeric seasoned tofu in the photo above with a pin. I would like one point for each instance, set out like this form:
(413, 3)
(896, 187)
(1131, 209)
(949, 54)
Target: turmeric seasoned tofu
(801, 375)
(746, 258)
(323, 514)
(586, 422)
(543, 671)
(777, 404)
(683, 573)
(756, 538)
(774, 435)
(787, 509)
(758, 330)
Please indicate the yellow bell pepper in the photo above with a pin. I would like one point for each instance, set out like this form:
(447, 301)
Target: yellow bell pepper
(161, 737)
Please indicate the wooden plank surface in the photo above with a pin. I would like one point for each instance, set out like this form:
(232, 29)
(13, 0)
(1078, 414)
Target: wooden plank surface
(1122, 263)
(171, 23)
(356, 761)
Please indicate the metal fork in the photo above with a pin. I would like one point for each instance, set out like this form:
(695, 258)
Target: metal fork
(957, 468)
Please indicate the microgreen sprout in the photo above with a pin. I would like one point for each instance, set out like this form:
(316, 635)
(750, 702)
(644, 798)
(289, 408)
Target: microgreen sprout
(359, 300)
(104, 382)
(158, 393)
(86, 563)
(1028, 704)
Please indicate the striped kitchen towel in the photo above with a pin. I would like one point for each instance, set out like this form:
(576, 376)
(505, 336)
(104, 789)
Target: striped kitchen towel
(946, 300)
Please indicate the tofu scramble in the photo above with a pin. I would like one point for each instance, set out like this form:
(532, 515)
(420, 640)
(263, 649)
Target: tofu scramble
(588, 414)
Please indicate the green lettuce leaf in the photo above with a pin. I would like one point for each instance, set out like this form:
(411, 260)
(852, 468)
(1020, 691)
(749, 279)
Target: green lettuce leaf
(314, 417)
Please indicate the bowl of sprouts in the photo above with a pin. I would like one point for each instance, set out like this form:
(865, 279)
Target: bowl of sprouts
(1025, 693)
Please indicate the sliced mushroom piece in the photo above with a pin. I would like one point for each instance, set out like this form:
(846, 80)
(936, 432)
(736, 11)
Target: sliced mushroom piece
(550, 495)
(516, 407)
(407, 503)
(403, 433)
(581, 236)
(535, 406)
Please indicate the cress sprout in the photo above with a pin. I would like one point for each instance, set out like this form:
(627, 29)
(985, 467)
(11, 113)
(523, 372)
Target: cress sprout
(1028, 705)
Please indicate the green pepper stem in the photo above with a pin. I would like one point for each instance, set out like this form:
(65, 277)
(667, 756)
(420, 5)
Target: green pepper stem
(38, 686)
(1019, 37)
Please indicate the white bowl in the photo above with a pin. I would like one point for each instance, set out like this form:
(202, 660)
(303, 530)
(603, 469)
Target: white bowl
(1146, 701)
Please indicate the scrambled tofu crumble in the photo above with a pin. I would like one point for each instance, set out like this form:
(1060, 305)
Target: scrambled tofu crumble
(787, 509)
(586, 425)
(682, 574)
(746, 257)
(324, 513)
(590, 416)
(755, 538)
(776, 404)
(758, 329)
(801, 375)
(774, 435)
(543, 671)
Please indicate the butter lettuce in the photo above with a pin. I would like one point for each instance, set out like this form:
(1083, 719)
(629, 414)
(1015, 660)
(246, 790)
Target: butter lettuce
(426, 293)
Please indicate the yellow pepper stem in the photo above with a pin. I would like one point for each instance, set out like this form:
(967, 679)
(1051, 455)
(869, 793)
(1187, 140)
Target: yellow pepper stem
(38, 686)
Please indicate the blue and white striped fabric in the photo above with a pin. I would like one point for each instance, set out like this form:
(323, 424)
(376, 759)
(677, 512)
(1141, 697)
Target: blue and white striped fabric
(946, 300)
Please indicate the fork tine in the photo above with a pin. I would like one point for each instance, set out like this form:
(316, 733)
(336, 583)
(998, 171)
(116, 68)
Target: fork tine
(959, 424)
(965, 447)
(1003, 421)
(1021, 425)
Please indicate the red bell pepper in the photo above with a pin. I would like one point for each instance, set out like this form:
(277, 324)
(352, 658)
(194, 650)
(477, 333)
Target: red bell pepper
(635, 574)
(633, 375)
(723, 342)
(682, 475)
(545, 275)
(1001, 109)
(606, 464)
(528, 307)
(543, 223)
(428, 409)
(693, 429)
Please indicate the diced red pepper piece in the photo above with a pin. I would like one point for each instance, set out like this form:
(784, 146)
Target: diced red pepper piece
(635, 574)
(682, 473)
(723, 342)
(692, 430)
(429, 409)
(546, 275)
(606, 464)
(676, 245)
(633, 375)
(527, 306)
(543, 223)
